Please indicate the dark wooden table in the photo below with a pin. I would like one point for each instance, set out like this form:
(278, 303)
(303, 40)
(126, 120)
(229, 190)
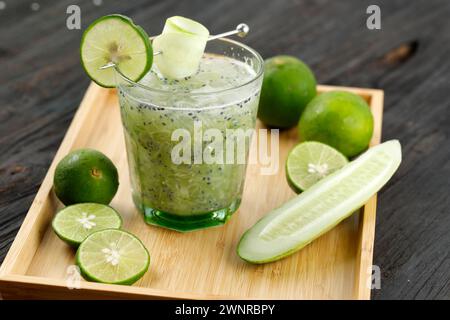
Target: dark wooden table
(42, 83)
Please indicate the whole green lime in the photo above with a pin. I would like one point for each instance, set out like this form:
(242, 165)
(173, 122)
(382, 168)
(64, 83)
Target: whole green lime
(340, 119)
(85, 175)
(288, 86)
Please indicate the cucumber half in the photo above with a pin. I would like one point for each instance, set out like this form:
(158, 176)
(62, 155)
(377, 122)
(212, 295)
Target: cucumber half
(317, 210)
(115, 38)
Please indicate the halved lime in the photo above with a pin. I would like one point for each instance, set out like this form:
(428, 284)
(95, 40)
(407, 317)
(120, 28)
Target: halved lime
(315, 211)
(112, 256)
(310, 162)
(181, 44)
(74, 223)
(115, 38)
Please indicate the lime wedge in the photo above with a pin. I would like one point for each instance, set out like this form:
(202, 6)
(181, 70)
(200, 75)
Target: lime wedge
(310, 162)
(112, 256)
(74, 223)
(181, 44)
(317, 210)
(115, 38)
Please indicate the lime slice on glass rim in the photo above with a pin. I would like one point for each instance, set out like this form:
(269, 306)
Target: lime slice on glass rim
(317, 210)
(112, 256)
(310, 162)
(182, 44)
(115, 39)
(74, 223)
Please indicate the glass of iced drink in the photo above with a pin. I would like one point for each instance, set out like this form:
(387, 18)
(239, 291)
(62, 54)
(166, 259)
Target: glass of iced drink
(188, 140)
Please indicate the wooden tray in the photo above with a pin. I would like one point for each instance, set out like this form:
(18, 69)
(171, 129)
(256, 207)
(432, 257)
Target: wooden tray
(197, 265)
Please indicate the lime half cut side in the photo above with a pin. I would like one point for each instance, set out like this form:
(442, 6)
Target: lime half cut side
(115, 39)
(112, 256)
(317, 210)
(74, 223)
(310, 162)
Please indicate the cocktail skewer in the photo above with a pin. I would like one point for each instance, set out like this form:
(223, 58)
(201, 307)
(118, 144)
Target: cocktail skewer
(241, 30)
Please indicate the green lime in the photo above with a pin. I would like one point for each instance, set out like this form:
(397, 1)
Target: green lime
(74, 223)
(112, 256)
(178, 24)
(85, 175)
(288, 86)
(310, 162)
(340, 119)
(317, 210)
(115, 39)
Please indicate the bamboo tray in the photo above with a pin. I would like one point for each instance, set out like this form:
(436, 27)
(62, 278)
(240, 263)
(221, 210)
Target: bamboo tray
(201, 264)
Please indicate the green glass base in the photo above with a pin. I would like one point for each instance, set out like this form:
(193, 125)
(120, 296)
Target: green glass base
(188, 223)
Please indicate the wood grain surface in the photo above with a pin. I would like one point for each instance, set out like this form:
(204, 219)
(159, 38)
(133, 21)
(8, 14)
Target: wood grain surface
(42, 83)
(201, 264)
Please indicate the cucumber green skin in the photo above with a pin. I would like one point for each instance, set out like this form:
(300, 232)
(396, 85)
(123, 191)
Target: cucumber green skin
(73, 243)
(142, 34)
(126, 282)
(294, 249)
(73, 182)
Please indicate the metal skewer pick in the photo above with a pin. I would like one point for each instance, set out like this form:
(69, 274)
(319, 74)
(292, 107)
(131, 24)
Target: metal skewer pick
(107, 66)
(241, 30)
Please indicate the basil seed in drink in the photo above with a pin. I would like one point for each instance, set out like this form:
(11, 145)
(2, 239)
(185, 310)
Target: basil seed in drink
(222, 95)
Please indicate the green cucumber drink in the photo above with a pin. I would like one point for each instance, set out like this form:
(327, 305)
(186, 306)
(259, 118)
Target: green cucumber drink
(183, 175)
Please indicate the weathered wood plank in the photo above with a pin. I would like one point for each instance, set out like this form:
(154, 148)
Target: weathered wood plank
(41, 84)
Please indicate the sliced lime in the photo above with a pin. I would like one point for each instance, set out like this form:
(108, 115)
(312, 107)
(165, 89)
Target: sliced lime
(310, 162)
(115, 38)
(181, 44)
(315, 211)
(74, 223)
(112, 256)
